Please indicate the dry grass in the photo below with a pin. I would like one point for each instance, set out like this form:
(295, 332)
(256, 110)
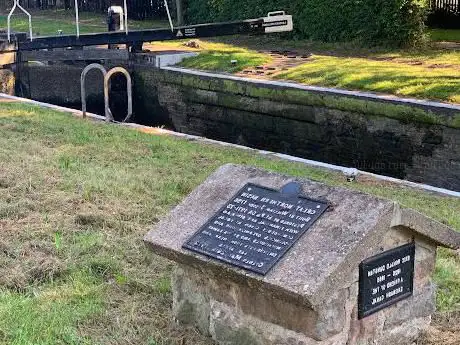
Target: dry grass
(76, 198)
(445, 330)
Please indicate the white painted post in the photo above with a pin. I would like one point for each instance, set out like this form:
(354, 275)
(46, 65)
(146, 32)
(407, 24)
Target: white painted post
(126, 16)
(76, 18)
(169, 15)
(179, 13)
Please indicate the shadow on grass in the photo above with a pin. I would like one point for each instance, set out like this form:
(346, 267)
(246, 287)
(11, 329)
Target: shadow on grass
(359, 74)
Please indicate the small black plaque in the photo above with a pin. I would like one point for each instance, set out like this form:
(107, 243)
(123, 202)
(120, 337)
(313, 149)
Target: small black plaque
(257, 227)
(385, 279)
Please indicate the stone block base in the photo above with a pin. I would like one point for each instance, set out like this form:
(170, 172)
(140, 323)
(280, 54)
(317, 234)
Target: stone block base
(231, 315)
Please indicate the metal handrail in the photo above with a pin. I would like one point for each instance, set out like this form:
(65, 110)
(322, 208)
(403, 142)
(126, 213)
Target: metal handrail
(108, 113)
(82, 83)
(17, 4)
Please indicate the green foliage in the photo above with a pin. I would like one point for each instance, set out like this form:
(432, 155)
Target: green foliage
(447, 277)
(393, 22)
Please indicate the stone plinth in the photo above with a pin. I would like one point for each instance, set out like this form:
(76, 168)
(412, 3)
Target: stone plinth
(311, 295)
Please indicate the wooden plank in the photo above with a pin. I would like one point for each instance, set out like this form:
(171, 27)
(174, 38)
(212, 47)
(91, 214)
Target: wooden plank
(75, 54)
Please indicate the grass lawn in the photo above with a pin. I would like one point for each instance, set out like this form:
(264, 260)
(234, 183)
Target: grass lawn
(400, 78)
(430, 73)
(76, 198)
(48, 22)
(215, 56)
(445, 35)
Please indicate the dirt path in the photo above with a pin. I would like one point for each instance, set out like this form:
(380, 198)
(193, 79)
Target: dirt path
(281, 61)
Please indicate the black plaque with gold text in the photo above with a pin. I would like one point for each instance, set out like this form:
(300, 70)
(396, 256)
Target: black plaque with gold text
(257, 227)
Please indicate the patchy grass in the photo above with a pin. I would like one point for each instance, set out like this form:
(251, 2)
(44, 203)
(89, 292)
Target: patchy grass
(448, 276)
(429, 74)
(48, 22)
(218, 56)
(222, 62)
(51, 313)
(76, 198)
(397, 78)
(444, 35)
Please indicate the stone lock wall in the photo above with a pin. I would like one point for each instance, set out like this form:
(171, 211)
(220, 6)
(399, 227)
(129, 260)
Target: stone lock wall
(234, 313)
(59, 84)
(416, 141)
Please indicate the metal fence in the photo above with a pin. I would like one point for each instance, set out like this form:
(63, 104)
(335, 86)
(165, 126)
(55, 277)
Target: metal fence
(444, 14)
(137, 9)
(446, 5)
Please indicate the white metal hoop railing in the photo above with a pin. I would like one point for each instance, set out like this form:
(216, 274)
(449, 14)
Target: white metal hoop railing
(17, 4)
(108, 113)
(82, 83)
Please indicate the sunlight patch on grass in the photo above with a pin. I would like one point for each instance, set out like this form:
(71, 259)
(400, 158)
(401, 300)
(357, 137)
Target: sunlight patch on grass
(216, 61)
(427, 58)
(378, 76)
(218, 57)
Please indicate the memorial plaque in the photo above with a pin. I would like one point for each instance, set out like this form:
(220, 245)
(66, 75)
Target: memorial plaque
(257, 227)
(385, 279)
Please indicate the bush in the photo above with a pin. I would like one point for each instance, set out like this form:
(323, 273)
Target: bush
(373, 22)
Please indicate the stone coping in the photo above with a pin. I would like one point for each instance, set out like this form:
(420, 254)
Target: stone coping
(406, 110)
(333, 91)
